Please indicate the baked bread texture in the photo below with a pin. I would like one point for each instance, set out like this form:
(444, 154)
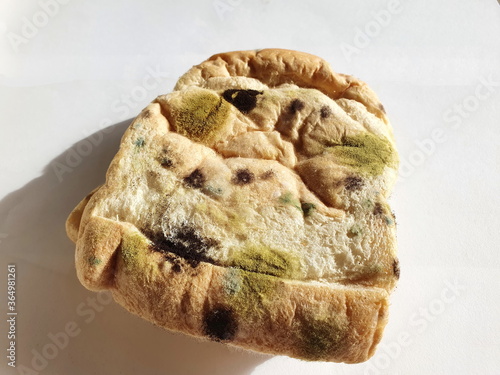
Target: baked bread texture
(248, 206)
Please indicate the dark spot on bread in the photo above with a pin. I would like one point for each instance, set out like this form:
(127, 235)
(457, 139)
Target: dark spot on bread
(220, 324)
(378, 209)
(174, 259)
(176, 267)
(395, 268)
(166, 162)
(147, 113)
(244, 100)
(296, 105)
(325, 111)
(307, 208)
(195, 180)
(267, 175)
(381, 107)
(185, 242)
(353, 183)
(243, 177)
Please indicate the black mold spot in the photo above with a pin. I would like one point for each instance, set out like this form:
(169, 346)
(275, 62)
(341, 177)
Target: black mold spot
(175, 260)
(176, 267)
(244, 100)
(296, 105)
(267, 175)
(395, 268)
(184, 242)
(378, 209)
(147, 114)
(243, 177)
(195, 180)
(325, 112)
(220, 324)
(353, 183)
(307, 208)
(166, 162)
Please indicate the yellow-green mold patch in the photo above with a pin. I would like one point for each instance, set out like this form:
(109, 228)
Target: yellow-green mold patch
(355, 231)
(201, 114)
(266, 260)
(320, 338)
(134, 251)
(248, 292)
(252, 280)
(366, 153)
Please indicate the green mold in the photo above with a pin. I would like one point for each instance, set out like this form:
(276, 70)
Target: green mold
(130, 247)
(134, 251)
(288, 198)
(201, 114)
(248, 292)
(252, 279)
(366, 153)
(368, 204)
(232, 281)
(213, 190)
(320, 338)
(355, 231)
(94, 261)
(307, 208)
(140, 142)
(265, 260)
(388, 220)
(374, 269)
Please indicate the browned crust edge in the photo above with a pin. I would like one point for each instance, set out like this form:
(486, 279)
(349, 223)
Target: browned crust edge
(274, 67)
(179, 301)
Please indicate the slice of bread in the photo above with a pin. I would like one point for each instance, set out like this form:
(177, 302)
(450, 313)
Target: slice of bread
(249, 207)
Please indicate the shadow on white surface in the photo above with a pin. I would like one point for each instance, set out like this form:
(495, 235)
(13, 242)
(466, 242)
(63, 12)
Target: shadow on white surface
(64, 329)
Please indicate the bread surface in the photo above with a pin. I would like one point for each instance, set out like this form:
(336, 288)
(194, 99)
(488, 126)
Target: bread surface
(248, 206)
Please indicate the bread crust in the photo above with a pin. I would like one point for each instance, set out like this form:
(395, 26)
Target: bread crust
(181, 301)
(300, 318)
(274, 67)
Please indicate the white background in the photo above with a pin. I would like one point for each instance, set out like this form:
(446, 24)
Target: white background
(90, 65)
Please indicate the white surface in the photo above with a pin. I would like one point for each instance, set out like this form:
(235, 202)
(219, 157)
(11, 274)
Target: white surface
(77, 75)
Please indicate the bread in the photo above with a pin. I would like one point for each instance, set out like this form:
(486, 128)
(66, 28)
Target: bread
(248, 206)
